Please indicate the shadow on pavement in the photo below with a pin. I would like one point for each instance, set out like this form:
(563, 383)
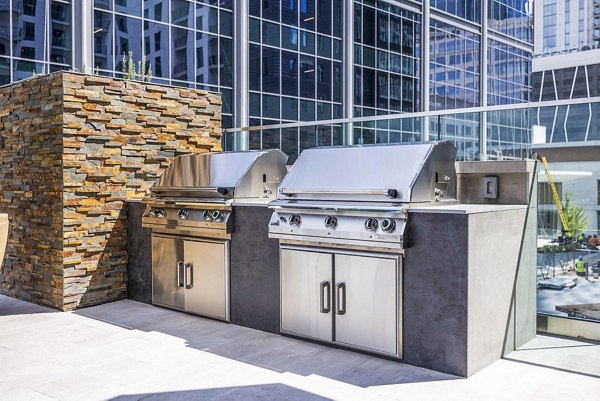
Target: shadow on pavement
(275, 392)
(12, 307)
(266, 350)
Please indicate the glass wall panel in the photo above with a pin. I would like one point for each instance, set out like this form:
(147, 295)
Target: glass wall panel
(386, 38)
(295, 50)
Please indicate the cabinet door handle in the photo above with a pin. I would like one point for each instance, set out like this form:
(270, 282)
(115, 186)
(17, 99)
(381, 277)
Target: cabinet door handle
(189, 276)
(341, 298)
(325, 285)
(180, 274)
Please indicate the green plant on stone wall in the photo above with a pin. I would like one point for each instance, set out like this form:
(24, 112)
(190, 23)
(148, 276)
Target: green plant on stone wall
(575, 215)
(143, 72)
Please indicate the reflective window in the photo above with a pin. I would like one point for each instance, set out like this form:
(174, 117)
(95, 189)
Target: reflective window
(386, 51)
(466, 9)
(513, 18)
(454, 67)
(185, 43)
(295, 51)
(509, 70)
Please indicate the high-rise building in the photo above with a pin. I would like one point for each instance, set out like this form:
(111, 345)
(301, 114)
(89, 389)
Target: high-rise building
(295, 60)
(566, 66)
(566, 25)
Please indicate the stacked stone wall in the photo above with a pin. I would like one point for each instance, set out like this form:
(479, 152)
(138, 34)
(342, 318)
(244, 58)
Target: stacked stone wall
(31, 189)
(112, 139)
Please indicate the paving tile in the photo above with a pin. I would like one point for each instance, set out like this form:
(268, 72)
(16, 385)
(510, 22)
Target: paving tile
(129, 351)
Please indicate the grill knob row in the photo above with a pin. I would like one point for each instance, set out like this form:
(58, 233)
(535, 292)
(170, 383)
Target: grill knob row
(295, 220)
(387, 225)
(371, 224)
(213, 215)
(160, 213)
(331, 222)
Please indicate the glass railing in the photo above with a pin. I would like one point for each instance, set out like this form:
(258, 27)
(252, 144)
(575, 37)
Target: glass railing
(482, 133)
(496, 133)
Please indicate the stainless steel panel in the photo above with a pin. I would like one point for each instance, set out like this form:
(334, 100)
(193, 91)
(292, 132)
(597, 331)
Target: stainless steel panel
(302, 277)
(379, 173)
(367, 303)
(223, 175)
(207, 278)
(167, 256)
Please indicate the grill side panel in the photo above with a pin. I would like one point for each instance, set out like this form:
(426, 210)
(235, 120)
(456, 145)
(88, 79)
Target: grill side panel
(254, 270)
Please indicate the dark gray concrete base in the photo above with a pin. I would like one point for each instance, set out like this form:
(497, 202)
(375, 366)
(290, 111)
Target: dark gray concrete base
(139, 250)
(435, 293)
(254, 271)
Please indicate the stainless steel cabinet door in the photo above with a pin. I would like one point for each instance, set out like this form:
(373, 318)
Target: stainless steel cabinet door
(207, 278)
(306, 288)
(367, 304)
(167, 269)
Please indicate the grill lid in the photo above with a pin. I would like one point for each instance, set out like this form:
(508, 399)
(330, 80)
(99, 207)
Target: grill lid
(249, 174)
(421, 172)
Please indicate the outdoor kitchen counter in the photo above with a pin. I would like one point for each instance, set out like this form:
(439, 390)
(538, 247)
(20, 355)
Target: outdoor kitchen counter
(464, 209)
(469, 280)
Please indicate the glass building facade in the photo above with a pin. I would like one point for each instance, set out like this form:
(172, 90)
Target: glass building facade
(277, 61)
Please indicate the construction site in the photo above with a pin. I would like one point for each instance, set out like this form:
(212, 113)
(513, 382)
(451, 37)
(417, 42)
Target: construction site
(568, 260)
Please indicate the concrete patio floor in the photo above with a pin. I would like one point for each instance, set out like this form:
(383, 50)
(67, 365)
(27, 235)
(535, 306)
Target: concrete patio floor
(131, 351)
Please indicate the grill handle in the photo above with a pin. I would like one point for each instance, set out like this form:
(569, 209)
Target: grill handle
(180, 274)
(325, 285)
(189, 272)
(390, 193)
(341, 300)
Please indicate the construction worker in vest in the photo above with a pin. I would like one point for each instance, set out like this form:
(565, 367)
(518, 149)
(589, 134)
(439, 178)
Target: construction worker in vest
(580, 267)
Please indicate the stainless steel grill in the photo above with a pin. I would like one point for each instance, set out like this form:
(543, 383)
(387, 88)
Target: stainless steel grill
(357, 197)
(340, 217)
(191, 213)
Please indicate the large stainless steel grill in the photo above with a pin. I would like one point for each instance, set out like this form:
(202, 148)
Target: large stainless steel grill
(191, 213)
(340, 217)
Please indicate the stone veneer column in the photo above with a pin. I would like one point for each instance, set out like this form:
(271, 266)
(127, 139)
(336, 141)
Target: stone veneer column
(80, 146)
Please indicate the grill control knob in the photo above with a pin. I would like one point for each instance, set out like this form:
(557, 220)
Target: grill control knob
(331, 222)
(206, 215)
(217, 215)
(159, 213)
(183, 214)
(295, 220)
(388, 225)
(371, 224)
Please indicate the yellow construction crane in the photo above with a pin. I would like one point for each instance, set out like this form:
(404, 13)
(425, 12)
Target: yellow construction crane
(557, 201)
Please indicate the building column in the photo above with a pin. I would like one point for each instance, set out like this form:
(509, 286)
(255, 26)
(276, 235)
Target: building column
(83, 35)
(483, 79)
(241, 87)
(349, 69)
(425, 58)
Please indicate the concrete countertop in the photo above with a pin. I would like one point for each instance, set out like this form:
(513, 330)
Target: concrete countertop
(465, 209)
(252, 202)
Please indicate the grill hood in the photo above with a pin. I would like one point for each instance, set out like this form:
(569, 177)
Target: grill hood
(403, 173)
(248, 174)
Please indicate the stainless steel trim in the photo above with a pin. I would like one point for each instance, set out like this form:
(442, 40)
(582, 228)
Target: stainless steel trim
(325, 285)
(349, 208)
(194, 234)
(340, 301)
(346, 248)
(317, 191)
(189, 284)
(189, 189)
(180, 283)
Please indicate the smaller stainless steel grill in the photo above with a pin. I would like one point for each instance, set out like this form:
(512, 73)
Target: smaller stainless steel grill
(340, 217)
(191, 213)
